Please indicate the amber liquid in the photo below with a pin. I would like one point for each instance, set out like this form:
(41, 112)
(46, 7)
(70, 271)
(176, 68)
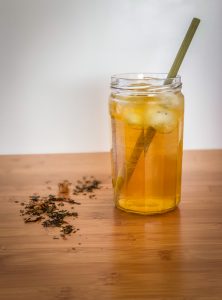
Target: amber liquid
(155, 183)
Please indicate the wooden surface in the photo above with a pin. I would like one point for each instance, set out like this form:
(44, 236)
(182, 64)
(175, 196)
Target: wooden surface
(115, 255)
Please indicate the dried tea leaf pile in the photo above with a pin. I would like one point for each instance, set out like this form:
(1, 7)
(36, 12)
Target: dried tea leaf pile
(55, 211)
(47, 209)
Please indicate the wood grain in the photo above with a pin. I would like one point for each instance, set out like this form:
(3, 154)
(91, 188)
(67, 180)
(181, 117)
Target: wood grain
(115, 255)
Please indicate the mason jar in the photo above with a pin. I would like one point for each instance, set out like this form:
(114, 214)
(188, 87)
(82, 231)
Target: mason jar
(147, 112)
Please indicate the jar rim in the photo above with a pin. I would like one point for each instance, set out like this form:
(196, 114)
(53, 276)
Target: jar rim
(145, 82)
(143, 75)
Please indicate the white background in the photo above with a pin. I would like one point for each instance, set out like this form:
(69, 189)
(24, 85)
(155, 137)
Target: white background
(57, 57)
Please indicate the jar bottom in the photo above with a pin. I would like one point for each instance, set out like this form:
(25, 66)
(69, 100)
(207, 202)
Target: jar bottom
(148, 210)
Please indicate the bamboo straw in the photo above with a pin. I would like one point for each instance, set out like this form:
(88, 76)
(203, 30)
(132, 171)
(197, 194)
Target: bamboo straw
(145, 138)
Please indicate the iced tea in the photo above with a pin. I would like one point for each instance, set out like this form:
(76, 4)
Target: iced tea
(147, 135)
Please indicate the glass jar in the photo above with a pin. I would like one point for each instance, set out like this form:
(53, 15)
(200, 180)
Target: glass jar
(147, 142)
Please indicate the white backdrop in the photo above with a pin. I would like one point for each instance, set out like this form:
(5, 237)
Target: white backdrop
(57, 57)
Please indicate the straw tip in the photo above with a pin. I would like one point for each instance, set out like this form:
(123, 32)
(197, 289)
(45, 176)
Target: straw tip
(196, 20)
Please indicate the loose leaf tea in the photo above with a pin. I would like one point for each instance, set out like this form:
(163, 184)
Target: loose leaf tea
(48, 208)
(55, 211)
(86, 185)
(64, 187)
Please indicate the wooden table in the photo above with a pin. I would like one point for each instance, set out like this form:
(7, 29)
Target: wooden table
(115, 255)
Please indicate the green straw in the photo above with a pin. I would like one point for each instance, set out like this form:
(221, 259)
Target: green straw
(183, 50)
(145, 138)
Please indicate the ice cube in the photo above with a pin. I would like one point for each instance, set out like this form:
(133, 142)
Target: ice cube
(133, 116)
(119, 108)
(116, 109)
(161, 119)
(169, 100)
